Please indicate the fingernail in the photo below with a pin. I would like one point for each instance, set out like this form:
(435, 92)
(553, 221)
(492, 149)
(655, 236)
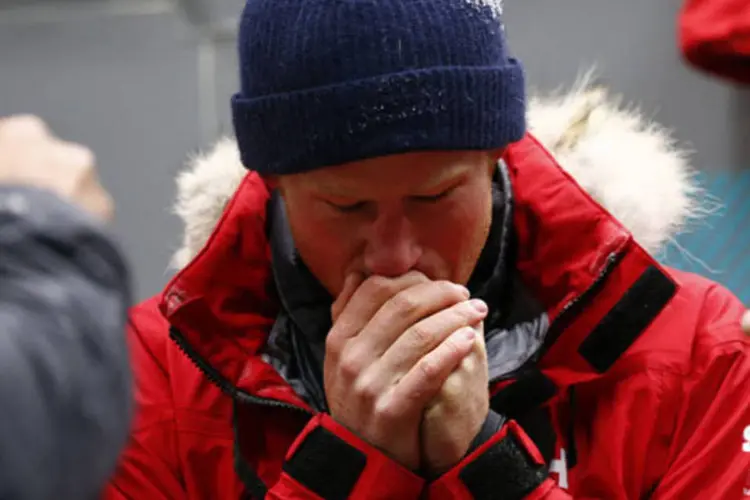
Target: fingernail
(479, 305)
(463, 290)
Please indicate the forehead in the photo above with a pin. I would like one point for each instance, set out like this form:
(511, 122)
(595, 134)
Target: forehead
(420, 170)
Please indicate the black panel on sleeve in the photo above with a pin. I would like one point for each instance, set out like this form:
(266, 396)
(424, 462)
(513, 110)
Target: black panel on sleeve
(326, 465)
(505, 471)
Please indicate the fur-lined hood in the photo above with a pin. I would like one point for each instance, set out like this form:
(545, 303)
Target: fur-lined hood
(629, 165)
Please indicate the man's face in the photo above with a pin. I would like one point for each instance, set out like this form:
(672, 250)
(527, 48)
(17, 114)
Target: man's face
(425, 211)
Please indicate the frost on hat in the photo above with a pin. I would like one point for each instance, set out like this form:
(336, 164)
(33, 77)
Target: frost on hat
(327, 82)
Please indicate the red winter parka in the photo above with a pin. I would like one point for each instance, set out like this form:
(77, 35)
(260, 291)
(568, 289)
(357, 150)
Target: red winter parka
(646, 376)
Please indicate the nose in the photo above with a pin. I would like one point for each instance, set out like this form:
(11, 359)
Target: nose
(392, 246)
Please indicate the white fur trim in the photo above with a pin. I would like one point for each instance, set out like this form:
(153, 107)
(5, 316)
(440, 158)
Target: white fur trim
(630, 165)
(203, 190)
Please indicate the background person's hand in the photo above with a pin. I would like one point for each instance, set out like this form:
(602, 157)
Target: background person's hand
(455, 416)
(393, 344)
(30, 155)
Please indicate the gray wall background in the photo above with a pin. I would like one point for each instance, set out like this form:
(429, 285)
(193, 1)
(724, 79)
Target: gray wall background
(123, 77)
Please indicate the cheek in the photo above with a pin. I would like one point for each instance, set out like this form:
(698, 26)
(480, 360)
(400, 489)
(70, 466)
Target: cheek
(456, 234)
(326, 247)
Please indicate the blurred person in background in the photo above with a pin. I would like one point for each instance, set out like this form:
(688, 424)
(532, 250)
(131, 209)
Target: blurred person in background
(712, 37)
(65, 382)
(409, 295)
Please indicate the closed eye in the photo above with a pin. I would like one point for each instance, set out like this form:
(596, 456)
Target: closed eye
(433, 198)
(352, 207)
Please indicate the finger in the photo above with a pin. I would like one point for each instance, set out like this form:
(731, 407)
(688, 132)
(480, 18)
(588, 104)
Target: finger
(474, 364)
(471, 367)
(455, 385)
(480, 347)
(352, 282)
(471, 370)
(407, 308)
(427, 334)
(413, 345)
(366, 301)
(424, 381)
(452, 399)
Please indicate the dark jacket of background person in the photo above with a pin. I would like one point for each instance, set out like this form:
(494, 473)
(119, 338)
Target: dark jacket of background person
(65, 388)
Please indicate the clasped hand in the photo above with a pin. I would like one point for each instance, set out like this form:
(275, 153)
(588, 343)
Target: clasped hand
(406, 368)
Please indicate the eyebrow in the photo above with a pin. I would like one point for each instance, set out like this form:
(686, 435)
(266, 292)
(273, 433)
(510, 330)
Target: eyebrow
(447, 176)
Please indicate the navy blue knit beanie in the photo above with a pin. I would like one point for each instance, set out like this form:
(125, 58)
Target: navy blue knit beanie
(326, 82)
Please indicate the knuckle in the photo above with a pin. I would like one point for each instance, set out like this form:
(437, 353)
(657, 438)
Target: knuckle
(332, 342)
(386, 410)
(470, 363)
(366, 389)
(419, 335)
(452, 386)
(428, 368)
(405, 302)
(451, 346)
(349, 367)
(385, 414)
(435, 412)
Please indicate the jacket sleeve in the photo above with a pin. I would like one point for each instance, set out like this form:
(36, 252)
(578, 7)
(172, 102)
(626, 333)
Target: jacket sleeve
(65, 385)
(509, 462)
(327, 461)
(711, 449)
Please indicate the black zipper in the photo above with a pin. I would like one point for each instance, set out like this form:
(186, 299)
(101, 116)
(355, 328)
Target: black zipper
(573, 308)
(222, 383)
(254, 485)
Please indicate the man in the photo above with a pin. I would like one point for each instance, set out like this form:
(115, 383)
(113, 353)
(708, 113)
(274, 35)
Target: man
(65, 384)
(400, 247)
